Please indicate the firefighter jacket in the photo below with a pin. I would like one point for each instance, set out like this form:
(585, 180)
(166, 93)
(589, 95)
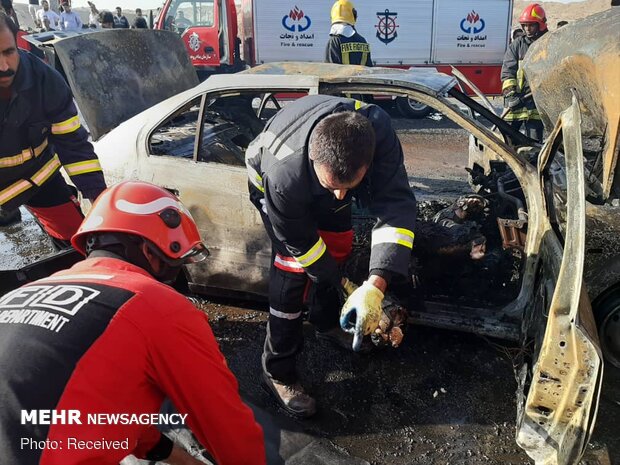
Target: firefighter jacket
(284, 183)
(107, 340)
(346, 47)
(40, 131)
(512, 75)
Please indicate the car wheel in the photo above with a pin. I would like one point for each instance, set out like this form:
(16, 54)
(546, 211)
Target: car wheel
(607, 314)
(412, 108)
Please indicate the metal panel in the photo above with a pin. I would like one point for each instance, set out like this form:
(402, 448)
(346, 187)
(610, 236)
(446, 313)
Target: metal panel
(583, 57)
(399, 32)
(471, 31)
(118, 73)
(556, 421)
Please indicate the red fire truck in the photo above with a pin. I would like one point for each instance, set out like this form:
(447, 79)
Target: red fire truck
(470, 35)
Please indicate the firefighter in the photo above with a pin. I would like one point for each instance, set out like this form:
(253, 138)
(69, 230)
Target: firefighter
(522, 112)
(346, 46)
(39, 132)
(107, 336)
(304, 169)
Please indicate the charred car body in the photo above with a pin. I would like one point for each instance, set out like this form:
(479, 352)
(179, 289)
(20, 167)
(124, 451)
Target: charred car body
(583, 61)
(193, 144)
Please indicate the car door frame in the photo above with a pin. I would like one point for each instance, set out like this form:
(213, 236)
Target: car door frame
(217, 195)
(558, 411)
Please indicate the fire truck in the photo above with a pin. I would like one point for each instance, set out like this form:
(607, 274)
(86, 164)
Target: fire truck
(469, 35)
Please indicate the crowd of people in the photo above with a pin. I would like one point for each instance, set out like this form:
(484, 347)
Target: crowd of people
(50, 15)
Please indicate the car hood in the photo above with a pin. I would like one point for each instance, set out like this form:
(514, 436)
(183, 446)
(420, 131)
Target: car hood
(582, 57)
(116, 74)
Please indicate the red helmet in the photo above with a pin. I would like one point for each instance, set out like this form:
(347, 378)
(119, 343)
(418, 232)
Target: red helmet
(534, 13)
(148, 211)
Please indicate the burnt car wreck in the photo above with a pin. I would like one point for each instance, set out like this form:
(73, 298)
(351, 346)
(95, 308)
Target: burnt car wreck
(531, 255)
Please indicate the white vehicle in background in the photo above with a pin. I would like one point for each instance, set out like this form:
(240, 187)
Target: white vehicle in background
(471, 35)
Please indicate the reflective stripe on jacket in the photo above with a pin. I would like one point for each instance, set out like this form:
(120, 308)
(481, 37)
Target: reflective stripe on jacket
(512, 75)
(287, 187)
(352, 50)
(104, 337)
(40, 132)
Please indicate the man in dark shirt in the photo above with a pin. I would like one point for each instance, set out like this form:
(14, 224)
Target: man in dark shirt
(120, 21)
(40, 133)
(139, 22)
(522, 113)
(304, 169)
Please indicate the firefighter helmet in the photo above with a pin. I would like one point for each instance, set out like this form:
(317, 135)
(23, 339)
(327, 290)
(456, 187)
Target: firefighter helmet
(148, 211)
(534, 13)
(343, 12)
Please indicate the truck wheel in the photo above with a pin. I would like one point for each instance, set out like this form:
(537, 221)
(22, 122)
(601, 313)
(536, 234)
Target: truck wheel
(607, 315)
(412, 108)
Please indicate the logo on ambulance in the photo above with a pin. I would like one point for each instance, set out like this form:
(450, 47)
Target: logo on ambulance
(296, 21)
(386, 29)
(194, 41)
(472, 23)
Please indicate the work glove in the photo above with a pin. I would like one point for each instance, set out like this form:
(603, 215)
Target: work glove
(513, 100)
(361, 313)
(348, 287)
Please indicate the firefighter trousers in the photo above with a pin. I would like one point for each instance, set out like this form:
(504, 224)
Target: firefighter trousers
(292, 295)
(532, 128)
(57, 210)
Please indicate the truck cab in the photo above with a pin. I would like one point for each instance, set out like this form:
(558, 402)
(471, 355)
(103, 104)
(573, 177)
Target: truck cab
(208, 29)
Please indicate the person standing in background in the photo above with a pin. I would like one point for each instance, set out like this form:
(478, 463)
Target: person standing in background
(7, 7)
(93, 16)
(120, 21)
(48, 19)
(33, 7)
(139, 22)
(346, 46)
(69, 21)
(522, 113)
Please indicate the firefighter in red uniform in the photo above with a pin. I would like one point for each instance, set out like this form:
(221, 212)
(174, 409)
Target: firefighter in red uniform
(39, 132)
(107, 336)
(522, 112)
(305, 169)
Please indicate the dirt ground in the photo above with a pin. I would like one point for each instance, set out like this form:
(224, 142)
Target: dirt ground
(443, 397)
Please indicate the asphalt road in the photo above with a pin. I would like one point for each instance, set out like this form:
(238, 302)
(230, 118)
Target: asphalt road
(443, 397)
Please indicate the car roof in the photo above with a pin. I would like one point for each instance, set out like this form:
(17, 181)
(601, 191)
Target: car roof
(434, 81)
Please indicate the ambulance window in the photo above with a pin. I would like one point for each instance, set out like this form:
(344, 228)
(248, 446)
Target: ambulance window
(185, 14)
(175, 137)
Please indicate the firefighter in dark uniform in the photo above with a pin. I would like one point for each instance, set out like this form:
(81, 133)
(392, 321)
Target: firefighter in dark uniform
(40, 132)
(108, 337)
(305, 168)
(522, 112)
(346, 46)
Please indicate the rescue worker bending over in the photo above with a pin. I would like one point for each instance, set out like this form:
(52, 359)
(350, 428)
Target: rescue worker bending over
(346, 46)
(107, 336)
(305, 168)
(39, 132)
(522, 110)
